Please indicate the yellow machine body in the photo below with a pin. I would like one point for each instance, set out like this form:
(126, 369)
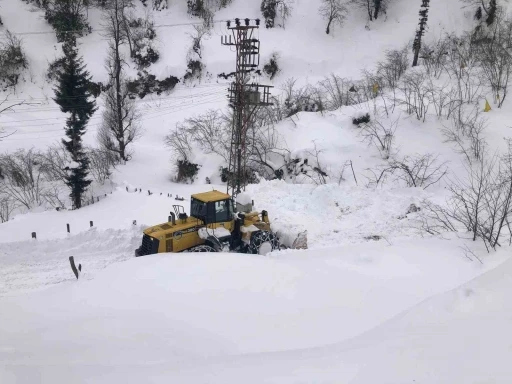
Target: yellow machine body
(211, 210)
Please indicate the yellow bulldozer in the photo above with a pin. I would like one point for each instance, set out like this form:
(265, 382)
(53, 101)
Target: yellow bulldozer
(213, 226)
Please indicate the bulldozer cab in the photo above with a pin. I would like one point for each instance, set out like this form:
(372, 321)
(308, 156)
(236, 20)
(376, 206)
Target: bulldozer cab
(213, 209)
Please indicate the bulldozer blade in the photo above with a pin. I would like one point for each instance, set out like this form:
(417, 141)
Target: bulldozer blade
(301, 241)
(292, 240)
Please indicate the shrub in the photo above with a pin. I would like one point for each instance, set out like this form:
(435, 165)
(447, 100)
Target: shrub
(364, 119)
(145, 55)
(272, 67)
(194, 70)
(147, 84)
(187, 171)
(12, 59)
(249, 176)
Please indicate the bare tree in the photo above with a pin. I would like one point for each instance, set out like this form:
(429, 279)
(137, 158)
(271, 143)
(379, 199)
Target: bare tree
(381, 135)
(7, 206)
(22, 178)
(415, 94)
(4, 107)
(484, 8)
(121, 122)
(120, 125)
(54, 162)
(374, 8)
(101, 164)
(495, 58)
(480, 203)
(334, 11)
(421, 171)
(467, 125)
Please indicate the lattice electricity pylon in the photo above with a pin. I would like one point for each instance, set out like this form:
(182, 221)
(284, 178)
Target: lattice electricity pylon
(244, 98)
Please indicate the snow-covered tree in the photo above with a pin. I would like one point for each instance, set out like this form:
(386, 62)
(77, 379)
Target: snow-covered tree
(73, 96)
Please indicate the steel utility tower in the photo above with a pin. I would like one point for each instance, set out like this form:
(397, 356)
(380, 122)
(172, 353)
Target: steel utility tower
(245, 98)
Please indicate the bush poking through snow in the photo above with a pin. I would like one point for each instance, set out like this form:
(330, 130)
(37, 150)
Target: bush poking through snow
(299, 99)
(249, 177)
(271, 68)
(381, 135)
(140, 35)
(101, 164)
(421, 171)
(307, 166)
(186, 171)
(12, 60)
(480, 203)
(194, 70)
(147, 83)
(363, 119)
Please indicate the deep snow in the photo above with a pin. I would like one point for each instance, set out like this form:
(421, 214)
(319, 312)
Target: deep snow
(314, 316)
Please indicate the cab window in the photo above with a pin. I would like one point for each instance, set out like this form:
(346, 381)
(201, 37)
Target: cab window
(222, 211)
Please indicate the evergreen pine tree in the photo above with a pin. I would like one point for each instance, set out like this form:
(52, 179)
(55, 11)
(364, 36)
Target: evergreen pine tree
(72, 94)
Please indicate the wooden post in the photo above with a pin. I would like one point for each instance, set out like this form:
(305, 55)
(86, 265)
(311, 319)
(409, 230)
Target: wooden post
(69, 229)
(73, 266)
(91, 224)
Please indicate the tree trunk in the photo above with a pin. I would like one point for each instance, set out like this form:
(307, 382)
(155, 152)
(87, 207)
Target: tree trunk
(328, 29)
(369, 9)
(377, 4)
(416, 54)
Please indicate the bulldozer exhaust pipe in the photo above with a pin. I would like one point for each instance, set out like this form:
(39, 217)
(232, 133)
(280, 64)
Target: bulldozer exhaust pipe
(172, 218)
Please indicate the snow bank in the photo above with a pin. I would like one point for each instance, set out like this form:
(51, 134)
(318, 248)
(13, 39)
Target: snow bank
(156, 317)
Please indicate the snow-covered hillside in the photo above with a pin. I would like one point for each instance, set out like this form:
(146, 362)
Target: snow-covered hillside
(378, 296)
